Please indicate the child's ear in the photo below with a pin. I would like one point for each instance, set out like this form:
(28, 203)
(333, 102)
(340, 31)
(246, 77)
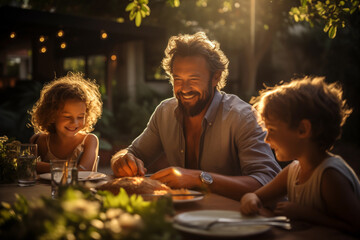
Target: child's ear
(304, 128)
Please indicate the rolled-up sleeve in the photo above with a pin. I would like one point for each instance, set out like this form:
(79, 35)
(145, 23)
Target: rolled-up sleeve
(255, 156)
(147, 146)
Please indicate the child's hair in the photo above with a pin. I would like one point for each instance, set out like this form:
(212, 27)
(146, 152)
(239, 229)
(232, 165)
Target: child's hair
(307, 98)
(53, 97)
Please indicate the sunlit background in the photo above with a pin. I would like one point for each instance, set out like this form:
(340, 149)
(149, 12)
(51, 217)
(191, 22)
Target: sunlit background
(41, 40)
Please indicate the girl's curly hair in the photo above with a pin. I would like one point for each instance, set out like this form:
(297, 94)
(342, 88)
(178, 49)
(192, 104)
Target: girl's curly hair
(53, 97)
(197, 44)
(307, 98)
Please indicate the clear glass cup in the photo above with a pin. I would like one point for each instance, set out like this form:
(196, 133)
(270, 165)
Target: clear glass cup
(63, 173)
(26, 165)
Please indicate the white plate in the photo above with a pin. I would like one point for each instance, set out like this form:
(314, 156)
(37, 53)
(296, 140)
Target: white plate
(82, 176)
(194, 199)
(149, 197)
(219, 230)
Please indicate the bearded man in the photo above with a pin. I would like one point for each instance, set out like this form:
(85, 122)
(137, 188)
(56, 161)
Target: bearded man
(208, 138)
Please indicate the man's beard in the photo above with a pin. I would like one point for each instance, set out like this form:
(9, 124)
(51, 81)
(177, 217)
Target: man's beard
(199, 105)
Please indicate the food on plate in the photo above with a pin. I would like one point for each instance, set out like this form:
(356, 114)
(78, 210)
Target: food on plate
(143, 186)
(181, 191)
(135, 185)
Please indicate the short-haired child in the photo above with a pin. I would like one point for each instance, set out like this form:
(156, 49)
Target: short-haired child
(303, 119)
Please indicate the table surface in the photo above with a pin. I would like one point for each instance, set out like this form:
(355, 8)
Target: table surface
(209, 202)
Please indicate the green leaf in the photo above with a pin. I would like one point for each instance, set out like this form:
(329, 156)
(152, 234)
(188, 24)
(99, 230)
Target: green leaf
(326, 28)
(296, 18)
(138, 19)
(132, 15)
(146, 9)
(130, 6)
(332, 32)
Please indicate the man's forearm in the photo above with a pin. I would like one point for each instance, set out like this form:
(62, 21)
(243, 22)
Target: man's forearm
(233, 186)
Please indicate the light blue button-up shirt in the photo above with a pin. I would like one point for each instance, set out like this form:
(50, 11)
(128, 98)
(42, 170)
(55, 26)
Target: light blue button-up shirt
(231, 143)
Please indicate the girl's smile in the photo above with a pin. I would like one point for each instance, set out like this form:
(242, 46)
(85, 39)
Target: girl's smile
(71, 119)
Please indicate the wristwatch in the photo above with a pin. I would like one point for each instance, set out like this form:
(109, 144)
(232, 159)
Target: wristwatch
(206, 178)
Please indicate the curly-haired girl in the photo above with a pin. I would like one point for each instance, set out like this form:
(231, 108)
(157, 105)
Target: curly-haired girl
(63, 118)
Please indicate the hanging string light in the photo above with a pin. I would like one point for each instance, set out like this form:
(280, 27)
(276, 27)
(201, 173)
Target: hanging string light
(60, 33)
(63, 45)
(103, 35)
(42, 38)
(43, 49)
(12, 34)
(113, 57)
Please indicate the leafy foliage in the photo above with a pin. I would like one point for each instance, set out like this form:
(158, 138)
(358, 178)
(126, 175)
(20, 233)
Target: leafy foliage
(79, 214)
(8, 155)
(332, 12)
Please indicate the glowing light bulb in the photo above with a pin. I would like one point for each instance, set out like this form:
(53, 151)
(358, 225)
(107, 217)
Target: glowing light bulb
(113, 57)
(63, 45)
(104, 35)
(43, 50)
(12, 35)
(60, 33)
(41, 39)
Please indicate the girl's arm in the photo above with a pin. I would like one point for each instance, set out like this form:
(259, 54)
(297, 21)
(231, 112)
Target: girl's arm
(341, 204)
(39, 139)
(90, 154)
(251, 203)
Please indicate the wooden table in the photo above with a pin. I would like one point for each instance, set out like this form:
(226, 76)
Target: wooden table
(210, 202)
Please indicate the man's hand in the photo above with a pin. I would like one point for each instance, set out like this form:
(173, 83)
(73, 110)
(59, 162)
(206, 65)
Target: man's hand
(176, 177)
(125, 164)
(250, 204)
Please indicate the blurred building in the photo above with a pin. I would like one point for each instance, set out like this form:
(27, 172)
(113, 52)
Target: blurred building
(39, 46)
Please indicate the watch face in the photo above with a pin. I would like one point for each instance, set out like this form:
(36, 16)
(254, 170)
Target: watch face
(206, 178)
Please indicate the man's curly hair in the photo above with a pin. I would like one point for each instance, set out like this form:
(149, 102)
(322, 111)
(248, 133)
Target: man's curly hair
(307, 98)
(53, 97)
(193, 45)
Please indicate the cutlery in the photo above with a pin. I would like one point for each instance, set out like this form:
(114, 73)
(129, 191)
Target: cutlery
(280, 221)
(92, 176)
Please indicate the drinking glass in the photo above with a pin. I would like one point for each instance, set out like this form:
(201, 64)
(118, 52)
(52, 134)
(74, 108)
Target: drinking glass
(63, 173)
(26, 165)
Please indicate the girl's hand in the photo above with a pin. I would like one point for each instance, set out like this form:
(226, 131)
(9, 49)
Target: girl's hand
(290, 210)
(250, 204)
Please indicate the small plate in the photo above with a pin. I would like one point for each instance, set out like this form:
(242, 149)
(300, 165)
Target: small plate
(194, 199)
(82, 176)
(220, 230)
(175, 199)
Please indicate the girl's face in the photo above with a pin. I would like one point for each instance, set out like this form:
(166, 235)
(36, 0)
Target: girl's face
(283, 140)
(71, 118)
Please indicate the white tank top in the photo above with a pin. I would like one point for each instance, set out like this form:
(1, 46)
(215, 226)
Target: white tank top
(75, 155)
(308, 193)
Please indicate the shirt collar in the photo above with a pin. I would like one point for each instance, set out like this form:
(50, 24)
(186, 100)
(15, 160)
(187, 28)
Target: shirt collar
(213, 107)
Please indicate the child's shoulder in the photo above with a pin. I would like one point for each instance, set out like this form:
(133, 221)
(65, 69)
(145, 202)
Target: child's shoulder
(39, 138)
(90, 138)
